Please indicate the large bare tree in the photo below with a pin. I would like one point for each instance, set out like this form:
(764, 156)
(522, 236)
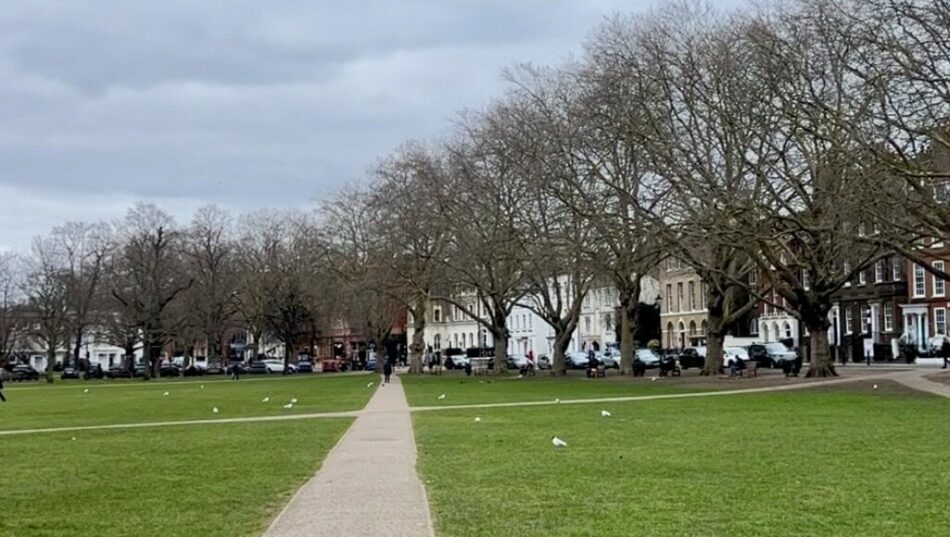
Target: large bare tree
(11, 304)
(48, 300)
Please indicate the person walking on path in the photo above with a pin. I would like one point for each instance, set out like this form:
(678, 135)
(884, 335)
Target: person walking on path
(387, 371)
(235, 371)
(2, 398)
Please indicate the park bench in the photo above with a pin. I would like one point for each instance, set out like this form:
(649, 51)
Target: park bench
(751, 369)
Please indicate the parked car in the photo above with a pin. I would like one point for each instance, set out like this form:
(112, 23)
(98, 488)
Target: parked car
(169, 370)
(194, 371)
(258, 367)
(576, 360)
(732, 354)
(693, 357)
(332, 366)
(277, 366)
(69, 373)
(118, 373)
(648, 358)
(304, 366)
(370, 364)
(609, 358)
(94, 372)
(516, 362)
(544, 362)
(24, 372)
(771, 354)
(216, 368)
(456, 360)
(139, 371)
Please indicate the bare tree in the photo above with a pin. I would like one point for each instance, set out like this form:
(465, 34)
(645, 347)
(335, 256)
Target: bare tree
(11, 304)
(480, 207)
(261, 234)
(209, 259)
(149, 277)
(47, 291)
(85, 249)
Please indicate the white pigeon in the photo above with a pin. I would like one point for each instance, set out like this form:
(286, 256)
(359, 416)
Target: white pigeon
(215, 410)
(202, 386)
(86, 390)
(605, 414)
(165, 394)
(557, 400)
(653, 379)
(265, 400)
(478, 420)
(294, 400)
(74, 438)
(370, 385)
(558, 442)
(441, 397)
(875, 386)
(289, 405)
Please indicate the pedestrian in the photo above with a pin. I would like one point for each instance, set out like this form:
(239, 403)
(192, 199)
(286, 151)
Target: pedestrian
(387, 371)
(2, 398)
(235, 371)
(945, 351)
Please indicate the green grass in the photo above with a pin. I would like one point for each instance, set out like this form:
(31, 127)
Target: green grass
(67, 404)
(424, 390)
(817, 463)
(220, 480)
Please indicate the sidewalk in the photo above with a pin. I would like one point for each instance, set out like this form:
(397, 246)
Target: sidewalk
(915, 379)
(367, 486)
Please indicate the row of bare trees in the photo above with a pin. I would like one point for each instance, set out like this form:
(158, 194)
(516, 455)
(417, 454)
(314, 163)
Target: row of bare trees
(777, 153)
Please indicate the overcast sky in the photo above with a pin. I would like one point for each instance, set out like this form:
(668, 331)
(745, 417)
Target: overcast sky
(244, 103)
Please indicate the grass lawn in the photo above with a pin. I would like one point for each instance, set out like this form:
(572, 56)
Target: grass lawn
(67, 404)
(211, 481)
(424, 390)
(826, 462)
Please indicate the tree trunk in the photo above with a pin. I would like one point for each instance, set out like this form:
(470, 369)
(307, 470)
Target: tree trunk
(288, 350)
(819, 352)
(501, 352)
(562, 338)
(50, 362)
(714, 351)
(628, 329)
(417, 348)
(77, 348)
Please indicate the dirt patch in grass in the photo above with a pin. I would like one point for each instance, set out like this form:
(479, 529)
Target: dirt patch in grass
(942, 377)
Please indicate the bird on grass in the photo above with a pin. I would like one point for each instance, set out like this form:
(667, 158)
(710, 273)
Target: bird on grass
(557, 442)
(441, 397)
(215, 410)
(289, 405)
(265, 400)
(86, 390)
(294, 400)
(557, 400)
(165, 394)
(202, 386)
(875, 386)
(478, 420)
(605, 414)
(370, 385)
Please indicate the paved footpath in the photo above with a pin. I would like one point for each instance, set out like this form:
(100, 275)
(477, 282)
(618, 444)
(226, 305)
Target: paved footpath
(367, 486)
(915, 379)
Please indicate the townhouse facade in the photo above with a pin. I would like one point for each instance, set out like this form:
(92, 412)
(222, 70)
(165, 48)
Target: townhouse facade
(682, 306)
(924, 313)
(867, 316)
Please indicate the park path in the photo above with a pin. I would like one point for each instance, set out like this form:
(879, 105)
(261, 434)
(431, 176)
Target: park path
(916, 380)
(368, 485)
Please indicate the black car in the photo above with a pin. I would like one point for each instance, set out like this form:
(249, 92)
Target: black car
(304, 366)
(169, 370)
(69, 373)
(119, 373)
(24, 372)
(215, 368)
(193, 371)
(691, 358)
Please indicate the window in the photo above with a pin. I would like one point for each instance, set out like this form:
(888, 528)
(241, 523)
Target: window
(896, 269)
(437, 342)
(879, 270)
(862, 277)
(888, 317)
(940, 288)
(848, 321)
(866, 319)
(692, 296)
(805, 281)
(940, 321)
(437, 315)
(754, 327)
(679, 296)
(702, 298)
(920, 289)
(847, 273)
(669, 297)
(587, 324)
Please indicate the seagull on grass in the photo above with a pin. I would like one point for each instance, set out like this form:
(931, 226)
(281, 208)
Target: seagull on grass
(557, 401)
(215, 410)
(265, 400)
(86, 390)
(441, 397)
(557, 442)
(875, 386)
(370, 385)
(478, 420)
(605, 414)
(289, 405)
(165, 394)
(202, 386)
(294, 400)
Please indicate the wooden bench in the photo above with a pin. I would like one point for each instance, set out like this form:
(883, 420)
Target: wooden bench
(751, 369)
